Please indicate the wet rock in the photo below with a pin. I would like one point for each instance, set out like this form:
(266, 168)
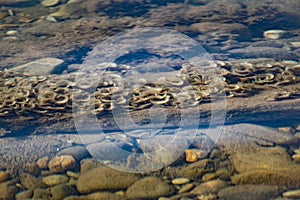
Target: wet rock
(210, 187)
(104, 178)
(27, 194)
(249, 192)
(55, 180)
(7, 190)
(78, 152)
(149, 187)
(4, 175)
(44, 66)
(61, 191)
(61, 163)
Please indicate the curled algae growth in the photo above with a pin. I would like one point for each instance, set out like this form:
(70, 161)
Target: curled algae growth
(24, 94)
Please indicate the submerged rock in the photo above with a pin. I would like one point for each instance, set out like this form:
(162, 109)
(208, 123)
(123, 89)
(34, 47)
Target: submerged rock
(104, 178)
(149, 188)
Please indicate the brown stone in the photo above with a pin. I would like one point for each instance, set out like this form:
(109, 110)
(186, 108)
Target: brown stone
(62, 163)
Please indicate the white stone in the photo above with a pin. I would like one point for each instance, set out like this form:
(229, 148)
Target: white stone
(274, 34)
(49, 3)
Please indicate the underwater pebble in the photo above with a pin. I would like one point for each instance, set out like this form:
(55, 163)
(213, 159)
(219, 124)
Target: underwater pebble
(295, 44)
(72, 174)
(249, 192)
(49, 3)
(61, 163)
(293, 194)
(180, 181)
(55, 180)
(186, 188)
(296, 157)
(61, 191)
(192, 155)
(43, 162)
(50, 18)
(11, 32)
(3, 176)
(210, 187)
(274, 34)
(104, 178)
(149, 188)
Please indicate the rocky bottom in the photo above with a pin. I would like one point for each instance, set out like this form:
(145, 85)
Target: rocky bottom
(248, 162)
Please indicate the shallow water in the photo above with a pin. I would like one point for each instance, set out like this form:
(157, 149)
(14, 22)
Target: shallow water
(163, 77)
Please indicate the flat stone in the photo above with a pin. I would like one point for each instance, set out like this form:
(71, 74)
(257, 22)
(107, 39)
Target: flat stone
(44, 66)
(275, 34)
(249, 192)
(55, 180)
(97, 195)
(180, 181)
(104, 178)
(293, 194)
(210, 187)
(78, 152)
(61, 191)
(149, 188)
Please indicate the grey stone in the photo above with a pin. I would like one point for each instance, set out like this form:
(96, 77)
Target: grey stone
(78, 152)
(44, 66)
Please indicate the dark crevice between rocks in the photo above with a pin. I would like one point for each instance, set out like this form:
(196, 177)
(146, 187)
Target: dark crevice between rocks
(72, 57)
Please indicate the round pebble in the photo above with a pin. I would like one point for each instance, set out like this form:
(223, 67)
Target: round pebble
(293, 194)
(180, 181)
(274, 34)
(61, 163)
(43, 162)
(49, 3)
(55, 180)
(295, 44)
